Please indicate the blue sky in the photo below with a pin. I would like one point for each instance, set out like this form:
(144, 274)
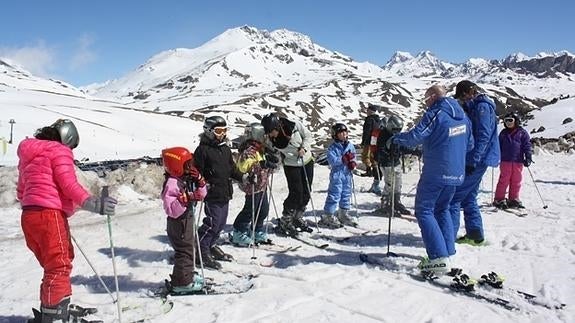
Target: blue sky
(82, 42)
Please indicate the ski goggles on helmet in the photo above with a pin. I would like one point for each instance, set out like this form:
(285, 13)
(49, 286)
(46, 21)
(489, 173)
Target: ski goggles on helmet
(509, 120)
(220, 130)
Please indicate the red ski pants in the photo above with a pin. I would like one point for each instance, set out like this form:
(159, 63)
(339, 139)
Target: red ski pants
(48, 236)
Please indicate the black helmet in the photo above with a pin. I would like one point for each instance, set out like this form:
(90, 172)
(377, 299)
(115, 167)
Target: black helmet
(394, 124)
(270, 122)
(515, 117)
(383, 123)
(255, 131)
(68, 132)
(214, 121)
(337, 128)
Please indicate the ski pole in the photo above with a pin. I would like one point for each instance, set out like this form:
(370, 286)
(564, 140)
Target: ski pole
(104, 195)
(492, 184)
(273, 201)
(310, 191)
(392, 214)
(93, 268)
(541, 197)
(354, 196)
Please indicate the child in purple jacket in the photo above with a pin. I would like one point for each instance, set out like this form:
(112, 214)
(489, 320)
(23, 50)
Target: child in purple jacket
(182, 188)
(515, 147)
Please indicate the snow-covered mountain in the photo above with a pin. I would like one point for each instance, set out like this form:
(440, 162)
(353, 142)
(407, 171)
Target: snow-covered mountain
(245, 73)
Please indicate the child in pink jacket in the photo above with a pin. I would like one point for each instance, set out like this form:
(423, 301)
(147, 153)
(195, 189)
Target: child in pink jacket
(183, 187)
(49, 193)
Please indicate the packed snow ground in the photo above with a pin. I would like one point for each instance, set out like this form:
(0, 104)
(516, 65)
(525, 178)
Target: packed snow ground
(535, 254)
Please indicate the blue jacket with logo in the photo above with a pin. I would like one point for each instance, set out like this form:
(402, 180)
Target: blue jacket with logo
(481, 112)
(445, 132)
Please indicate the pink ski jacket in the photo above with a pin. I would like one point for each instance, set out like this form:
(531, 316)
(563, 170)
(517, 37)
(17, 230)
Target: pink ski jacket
(47, 176)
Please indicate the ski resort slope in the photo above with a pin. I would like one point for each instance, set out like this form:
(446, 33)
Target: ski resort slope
(535, 254)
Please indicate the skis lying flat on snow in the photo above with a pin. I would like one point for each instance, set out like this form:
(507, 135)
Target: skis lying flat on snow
(494, 282)
(310, 242)
(461, 286)
(268, 246)
(488, 288)
(490, 208)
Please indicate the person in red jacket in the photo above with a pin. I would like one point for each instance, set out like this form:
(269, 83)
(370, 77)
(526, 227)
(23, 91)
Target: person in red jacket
(49, 193)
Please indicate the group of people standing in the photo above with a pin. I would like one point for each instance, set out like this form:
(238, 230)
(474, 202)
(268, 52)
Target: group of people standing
(459, 142)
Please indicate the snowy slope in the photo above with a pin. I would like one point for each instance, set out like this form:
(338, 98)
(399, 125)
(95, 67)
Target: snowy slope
(308, 285)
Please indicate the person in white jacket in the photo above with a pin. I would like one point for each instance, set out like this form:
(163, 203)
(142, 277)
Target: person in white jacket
(293, 141)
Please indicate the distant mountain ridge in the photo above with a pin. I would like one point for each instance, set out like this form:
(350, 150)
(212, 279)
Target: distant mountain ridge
(245, 73)
(425, 64)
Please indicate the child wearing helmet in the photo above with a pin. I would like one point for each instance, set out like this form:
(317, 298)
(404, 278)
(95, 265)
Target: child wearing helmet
(213, 158)
(49, 193)
(515, 146)
(388, 163)
(183, 187)
(342, 161)
(258, 165)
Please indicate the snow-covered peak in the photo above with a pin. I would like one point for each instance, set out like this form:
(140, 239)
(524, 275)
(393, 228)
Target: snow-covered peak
(422, 65)
(15, 76)
(398, 57)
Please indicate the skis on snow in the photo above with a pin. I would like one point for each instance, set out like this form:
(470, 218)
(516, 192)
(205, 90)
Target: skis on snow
(488, 288)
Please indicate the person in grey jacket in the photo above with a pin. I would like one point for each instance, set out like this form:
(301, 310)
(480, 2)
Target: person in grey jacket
(293, 141)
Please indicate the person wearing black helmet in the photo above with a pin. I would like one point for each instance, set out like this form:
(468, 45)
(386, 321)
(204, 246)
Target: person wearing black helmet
(342, 161)
(515, 154)
(213, 158)
(293, 141)
(49, 194)
(389, 162)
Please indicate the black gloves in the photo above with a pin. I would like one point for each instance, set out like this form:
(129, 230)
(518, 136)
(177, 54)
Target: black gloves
(267, 164)
(272, 158)
(527, 162)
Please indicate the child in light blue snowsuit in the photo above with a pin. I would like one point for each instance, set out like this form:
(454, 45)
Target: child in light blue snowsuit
(341, 159)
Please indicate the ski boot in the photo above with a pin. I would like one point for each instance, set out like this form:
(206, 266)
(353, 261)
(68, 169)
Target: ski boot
(472, 242)
(285, 226)
(500, 204)
(515, 204)
(300, 223)
(329, 221)
(241, 238)
(196, 286)
(345, 219)
(261, 237)
(375, 188)
(218, 254)
(434, 267)
(399, 207)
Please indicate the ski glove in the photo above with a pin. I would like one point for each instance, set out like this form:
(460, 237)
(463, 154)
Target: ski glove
(248, 178)
(527, 162)
(347, 157)
(272, 158)
(96, 204)
(266, 164)
(352, 165)
(469, 169)
(197, 177)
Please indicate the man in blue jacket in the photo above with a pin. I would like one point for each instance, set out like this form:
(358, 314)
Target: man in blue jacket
(445, 132)
(481, 111)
